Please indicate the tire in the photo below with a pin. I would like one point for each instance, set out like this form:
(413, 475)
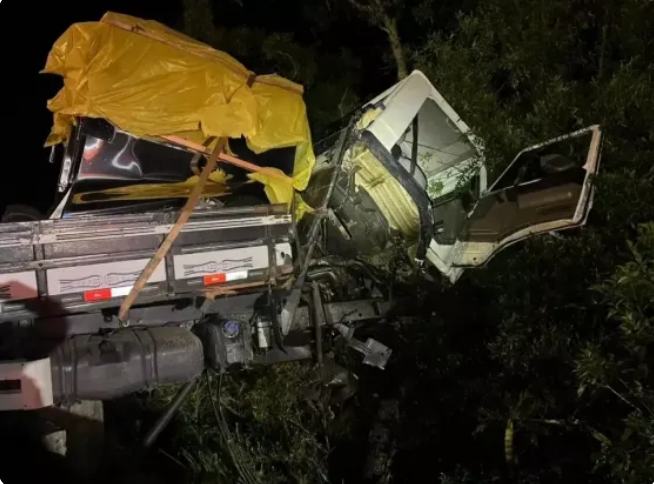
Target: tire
(21, 213)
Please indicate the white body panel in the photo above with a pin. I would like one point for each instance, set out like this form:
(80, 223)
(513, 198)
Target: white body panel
(18, 285)
(70, 280)
(241, 260)
(27, 385)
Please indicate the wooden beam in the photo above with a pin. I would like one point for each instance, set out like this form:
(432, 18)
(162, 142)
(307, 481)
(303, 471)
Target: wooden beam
(168, 242)
(232, 160)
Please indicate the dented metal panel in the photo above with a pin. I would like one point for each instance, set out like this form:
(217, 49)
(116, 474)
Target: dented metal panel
(88, 262)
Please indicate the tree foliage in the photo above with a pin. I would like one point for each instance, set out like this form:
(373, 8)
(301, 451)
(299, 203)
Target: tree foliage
(330, 74)
(519, 73)
(252, 428)
(616, 365)
(384, 15)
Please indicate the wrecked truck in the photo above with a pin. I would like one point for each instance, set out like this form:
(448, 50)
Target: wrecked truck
(195, 227)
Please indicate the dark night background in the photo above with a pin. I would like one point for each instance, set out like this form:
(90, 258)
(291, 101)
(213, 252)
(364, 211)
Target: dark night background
(28, 32)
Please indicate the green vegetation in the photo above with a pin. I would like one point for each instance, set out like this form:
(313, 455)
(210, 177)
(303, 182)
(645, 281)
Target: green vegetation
(255, 427)
(536, 369)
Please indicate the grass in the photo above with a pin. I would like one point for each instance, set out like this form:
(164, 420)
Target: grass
(257, 426)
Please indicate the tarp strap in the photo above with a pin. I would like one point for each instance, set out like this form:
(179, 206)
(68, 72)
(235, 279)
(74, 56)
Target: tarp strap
(168, 242)
(251, 79)
(224, 157)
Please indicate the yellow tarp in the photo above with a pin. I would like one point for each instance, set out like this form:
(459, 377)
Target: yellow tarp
(150, 80)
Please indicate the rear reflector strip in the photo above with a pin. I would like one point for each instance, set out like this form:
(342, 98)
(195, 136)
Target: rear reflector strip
(209, 280)
(224, 277)
(108, 293)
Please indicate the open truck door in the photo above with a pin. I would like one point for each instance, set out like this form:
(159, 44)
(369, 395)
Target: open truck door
(547, 187)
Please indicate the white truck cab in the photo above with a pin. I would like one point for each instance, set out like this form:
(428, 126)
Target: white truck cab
(418, 164)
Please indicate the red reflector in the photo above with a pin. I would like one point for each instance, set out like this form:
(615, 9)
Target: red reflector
(97, 295)
(214, 279)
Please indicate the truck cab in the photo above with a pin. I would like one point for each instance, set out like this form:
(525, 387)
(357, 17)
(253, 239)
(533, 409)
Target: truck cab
(417, 174)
